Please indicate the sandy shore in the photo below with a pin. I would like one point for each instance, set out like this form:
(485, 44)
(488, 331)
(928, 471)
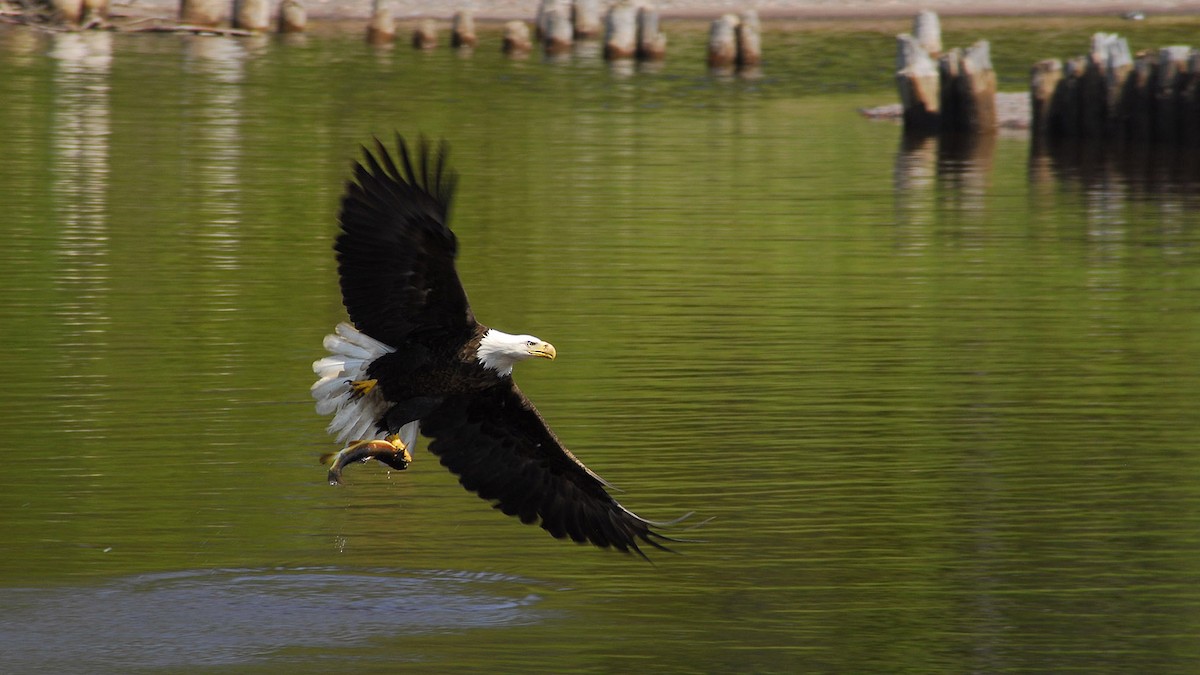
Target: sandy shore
(700, 9)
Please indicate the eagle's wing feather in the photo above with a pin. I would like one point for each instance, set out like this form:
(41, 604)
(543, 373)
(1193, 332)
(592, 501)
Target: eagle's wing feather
(501, 448)
(396, 253)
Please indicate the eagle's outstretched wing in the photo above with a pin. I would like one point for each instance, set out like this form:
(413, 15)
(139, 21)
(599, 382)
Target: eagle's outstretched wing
(501, 449)
(396, 253)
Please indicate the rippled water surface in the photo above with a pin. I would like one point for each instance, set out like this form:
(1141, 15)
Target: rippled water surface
(939, 400)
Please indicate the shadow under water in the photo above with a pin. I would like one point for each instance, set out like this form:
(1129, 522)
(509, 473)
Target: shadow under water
(230, 617)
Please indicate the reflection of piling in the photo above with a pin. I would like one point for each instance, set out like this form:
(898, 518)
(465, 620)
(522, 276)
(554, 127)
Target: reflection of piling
(516, 40)
(1110, 95)
(462, 30)
(425, 35)
(292, 17)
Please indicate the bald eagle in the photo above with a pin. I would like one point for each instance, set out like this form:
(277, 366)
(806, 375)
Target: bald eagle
(413, 358)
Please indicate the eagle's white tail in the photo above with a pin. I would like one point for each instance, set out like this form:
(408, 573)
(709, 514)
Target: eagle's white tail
(351, 353)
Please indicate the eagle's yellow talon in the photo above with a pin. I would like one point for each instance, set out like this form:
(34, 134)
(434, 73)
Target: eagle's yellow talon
(360, 388)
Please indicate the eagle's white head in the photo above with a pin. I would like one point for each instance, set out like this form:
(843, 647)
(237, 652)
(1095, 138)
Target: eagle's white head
(500, 351)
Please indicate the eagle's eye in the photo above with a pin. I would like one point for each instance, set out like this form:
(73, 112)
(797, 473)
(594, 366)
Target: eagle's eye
(530, 343)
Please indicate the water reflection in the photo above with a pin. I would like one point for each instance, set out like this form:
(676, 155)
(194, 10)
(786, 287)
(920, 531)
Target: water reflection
(1130, 168)
(80, 185)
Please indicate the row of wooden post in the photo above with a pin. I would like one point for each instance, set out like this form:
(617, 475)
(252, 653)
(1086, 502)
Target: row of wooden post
(1112, 94)
(944, 91)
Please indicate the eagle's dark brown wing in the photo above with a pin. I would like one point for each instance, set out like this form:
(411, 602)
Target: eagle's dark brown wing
(396, 253)
(501, 449)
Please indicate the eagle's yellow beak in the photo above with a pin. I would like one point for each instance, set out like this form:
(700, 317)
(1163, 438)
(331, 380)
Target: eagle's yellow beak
(543, 350)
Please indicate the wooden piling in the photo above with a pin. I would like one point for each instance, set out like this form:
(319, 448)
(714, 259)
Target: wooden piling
(558, 31)
(651, 43)
(918, 82)
(722, 42)
(382, 28)
(95, 12)
(586, 18)
(1189, 105)
(252, 15)
(749, 40)
(68, 11)
(539, 21)
(516, 40)
(1172, 75)
(425, 35)
(462, 30)
(1043, 83)
(292, 17)
(968, 89)
(202, 12)
(927, 31)
(620, 31)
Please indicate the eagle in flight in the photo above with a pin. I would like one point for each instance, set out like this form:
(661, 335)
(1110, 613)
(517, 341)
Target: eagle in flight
(413, 358)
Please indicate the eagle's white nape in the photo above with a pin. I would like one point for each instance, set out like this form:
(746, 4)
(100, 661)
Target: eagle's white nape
(351, 353)
(500, 351)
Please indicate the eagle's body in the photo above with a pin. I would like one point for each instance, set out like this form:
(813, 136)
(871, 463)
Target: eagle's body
(415, 359)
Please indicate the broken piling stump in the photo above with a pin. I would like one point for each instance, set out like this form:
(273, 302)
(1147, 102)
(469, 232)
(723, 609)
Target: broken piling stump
(252, 15)
(919, 85)
(1044, 79)
(425, 35)
(558, 33)
(620, 31)
(201, 12)
(927, 31)
(722, 42)
(382, 28)
(651, 43)
(968, 89)
(292, 17)
(462, 30)
(749, 40)
(586, 19)
(516, 41)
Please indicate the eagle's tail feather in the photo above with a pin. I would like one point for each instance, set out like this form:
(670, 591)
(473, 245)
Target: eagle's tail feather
(351, 354)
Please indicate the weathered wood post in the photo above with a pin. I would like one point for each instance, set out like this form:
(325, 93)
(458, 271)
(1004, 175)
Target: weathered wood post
(1139, 96)
(252, 15)
(620, 31)
(651, 43)
(539, 21)
(94, 12)
(722, 42)
(292, 17)
(1113, 51)
(968, 88)
(927, 31)
(1172, 74)
(1044, 79)
(516, 40)
(425, 34)
(68, 11)
(201, 12)
(918, 82)
(585, 16)
(462, 29)
(1190, 101)
(559, 33)
(382, 28)
(749, 40)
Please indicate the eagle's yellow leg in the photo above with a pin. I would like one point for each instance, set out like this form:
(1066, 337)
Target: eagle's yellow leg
(390, 451)
(360, 388)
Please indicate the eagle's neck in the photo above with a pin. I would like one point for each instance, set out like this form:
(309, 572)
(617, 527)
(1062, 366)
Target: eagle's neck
(497, 351)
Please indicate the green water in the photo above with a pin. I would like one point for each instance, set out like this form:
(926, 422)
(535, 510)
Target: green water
(940, 404)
